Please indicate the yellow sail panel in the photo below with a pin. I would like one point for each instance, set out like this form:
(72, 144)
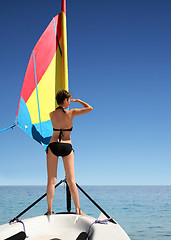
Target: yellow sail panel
(50, 83)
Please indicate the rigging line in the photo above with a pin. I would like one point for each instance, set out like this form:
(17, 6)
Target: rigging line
(101, 209)
(37, 92)
(57, 37)
(34, 203)
(12, 126)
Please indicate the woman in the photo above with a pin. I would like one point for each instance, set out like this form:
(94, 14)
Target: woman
(60, 145)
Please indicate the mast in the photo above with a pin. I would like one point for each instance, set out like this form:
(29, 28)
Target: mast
(64, 45)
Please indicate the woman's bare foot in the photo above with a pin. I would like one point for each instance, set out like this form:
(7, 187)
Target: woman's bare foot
(49, 213)
(79, 212)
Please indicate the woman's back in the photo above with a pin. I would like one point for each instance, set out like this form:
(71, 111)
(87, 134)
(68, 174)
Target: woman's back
(61, 119)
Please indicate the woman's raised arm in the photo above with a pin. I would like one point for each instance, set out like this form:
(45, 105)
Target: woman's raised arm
(79, 111)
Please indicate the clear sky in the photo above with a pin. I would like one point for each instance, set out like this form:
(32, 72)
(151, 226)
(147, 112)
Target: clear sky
(119, 54)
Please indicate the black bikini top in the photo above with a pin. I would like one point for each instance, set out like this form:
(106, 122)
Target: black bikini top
(62, 130)
(63, 109)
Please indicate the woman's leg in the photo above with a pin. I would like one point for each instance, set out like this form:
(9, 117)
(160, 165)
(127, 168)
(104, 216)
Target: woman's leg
(52, 163)
(70, 178)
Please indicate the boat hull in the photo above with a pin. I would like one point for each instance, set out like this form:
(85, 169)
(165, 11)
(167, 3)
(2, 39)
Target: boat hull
(63, 227)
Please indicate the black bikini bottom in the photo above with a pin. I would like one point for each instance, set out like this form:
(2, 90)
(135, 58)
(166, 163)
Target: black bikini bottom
(60, 149)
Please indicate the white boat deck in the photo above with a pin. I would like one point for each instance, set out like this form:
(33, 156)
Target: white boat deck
(63, 227)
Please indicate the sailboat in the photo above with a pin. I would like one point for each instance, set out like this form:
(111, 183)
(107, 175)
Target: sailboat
(47, 72)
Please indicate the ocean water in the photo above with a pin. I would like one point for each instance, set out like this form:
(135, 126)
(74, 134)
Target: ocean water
(144, 212)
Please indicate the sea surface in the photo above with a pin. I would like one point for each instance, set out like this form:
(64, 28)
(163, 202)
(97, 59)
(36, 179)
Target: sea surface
(144, 212)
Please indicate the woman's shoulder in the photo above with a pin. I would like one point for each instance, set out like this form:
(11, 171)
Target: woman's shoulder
(71, 111)
(51, 114)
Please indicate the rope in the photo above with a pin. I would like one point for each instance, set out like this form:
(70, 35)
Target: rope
(12, 126)
(99, 221)
(18, 220)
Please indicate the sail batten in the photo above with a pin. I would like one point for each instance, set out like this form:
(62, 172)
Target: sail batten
(57, 37)
(47, 73)
(37, 92)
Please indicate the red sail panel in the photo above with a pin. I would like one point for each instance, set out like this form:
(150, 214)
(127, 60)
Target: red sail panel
(44, 52)
(46, 48)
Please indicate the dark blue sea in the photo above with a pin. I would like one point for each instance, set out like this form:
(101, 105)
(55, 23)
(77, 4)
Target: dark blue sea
(144, 212)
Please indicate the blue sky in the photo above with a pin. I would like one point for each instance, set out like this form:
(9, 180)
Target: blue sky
(119, 56)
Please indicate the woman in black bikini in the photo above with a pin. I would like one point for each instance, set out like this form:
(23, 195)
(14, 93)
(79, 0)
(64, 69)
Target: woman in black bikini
(60, 145)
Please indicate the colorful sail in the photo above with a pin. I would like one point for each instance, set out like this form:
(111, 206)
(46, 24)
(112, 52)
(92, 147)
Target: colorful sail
(47, 73)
